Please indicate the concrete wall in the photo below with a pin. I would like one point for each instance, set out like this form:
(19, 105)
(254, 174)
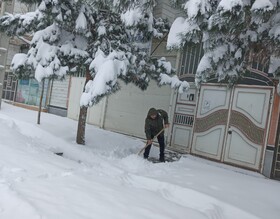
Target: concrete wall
(124, 111)
(95, 113)
(165, 10)
(127, 109)
(20, 8)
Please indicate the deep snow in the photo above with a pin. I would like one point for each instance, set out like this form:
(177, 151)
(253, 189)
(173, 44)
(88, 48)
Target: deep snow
(106, 179)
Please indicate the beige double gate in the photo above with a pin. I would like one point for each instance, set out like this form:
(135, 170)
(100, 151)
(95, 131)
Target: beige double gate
(231, 124)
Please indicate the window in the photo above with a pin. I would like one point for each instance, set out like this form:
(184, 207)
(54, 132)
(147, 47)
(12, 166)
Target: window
(29, 92)
(260, 63)
(190, 59)
(9, 86)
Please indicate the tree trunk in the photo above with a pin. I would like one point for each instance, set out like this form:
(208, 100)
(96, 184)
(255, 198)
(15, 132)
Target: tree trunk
(40, 104)
(80, 139)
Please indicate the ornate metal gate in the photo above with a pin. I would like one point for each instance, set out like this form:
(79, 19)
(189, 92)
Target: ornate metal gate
(231, 124)
(183, 121)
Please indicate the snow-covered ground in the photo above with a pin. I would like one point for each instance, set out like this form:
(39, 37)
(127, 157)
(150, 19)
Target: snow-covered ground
(106, 179)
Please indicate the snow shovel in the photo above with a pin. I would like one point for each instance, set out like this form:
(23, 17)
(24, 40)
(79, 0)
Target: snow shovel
(152, 140)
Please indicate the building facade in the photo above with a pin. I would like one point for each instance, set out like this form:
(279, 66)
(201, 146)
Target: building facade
(27, 92)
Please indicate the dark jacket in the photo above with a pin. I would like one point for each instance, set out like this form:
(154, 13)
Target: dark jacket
(154, 126)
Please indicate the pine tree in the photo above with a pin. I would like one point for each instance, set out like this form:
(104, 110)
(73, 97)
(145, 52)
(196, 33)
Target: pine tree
(233, 33)
(109, 39)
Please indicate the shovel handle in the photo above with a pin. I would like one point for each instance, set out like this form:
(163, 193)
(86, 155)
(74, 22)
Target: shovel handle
(152, 140)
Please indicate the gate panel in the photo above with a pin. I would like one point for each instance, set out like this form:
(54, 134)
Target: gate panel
(183, 121)
(247, 127)
(211, 120)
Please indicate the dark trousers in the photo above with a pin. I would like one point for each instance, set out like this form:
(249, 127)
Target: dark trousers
(161, 147)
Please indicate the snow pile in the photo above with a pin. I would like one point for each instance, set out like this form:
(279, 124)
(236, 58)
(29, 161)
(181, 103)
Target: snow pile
(174, 82)
(107, 174)
(108, 69)
(132, 17)
(81, 22)
(265, 5)
(178, 30)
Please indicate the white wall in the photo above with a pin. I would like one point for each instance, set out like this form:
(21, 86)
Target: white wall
(127, 109)
(23, 8)
(76, 88)
(95, 113)
(13, 49)
(124, 111)
(164, 9)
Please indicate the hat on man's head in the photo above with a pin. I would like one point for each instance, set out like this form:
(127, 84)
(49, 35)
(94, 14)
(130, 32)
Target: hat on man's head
(152, 111)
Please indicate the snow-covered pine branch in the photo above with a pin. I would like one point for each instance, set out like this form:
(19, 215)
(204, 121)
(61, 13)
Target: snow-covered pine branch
(111, 42)
(55, 45)
(109, 68)
(19, 24)
(174, 82)
(233, 32)
(126, 57)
